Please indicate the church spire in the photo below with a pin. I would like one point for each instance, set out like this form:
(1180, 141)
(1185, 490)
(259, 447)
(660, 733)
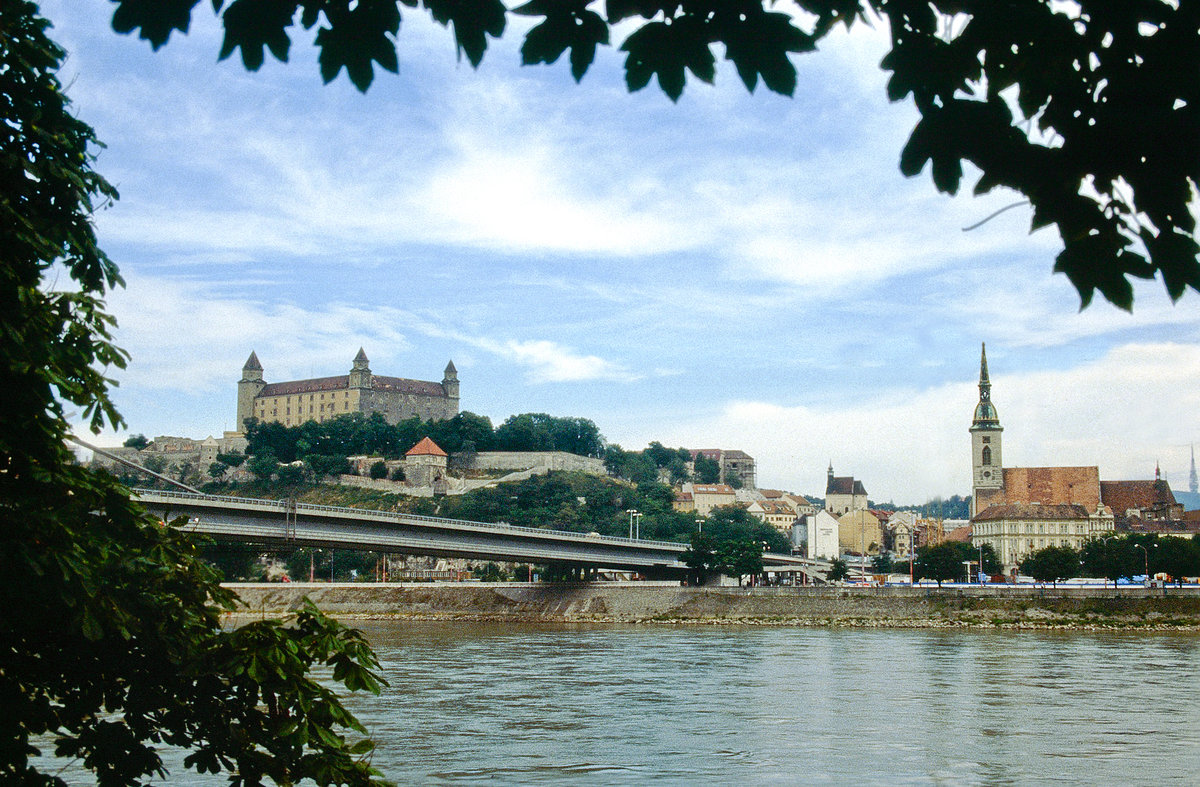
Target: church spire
(1193, 482)
(985, 411)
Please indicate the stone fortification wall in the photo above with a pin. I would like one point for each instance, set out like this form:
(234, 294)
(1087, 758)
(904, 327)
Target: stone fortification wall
(455, 486)
(536, 460)
(397, 406)
(1079, 608)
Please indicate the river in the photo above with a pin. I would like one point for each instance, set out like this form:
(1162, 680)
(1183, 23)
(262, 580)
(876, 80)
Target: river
(525, 704)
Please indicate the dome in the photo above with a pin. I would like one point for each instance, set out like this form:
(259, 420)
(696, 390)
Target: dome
(985, 413)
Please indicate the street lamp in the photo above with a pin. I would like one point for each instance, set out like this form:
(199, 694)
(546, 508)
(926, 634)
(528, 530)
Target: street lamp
(699, 525)
(1146, 559)
(631, 512)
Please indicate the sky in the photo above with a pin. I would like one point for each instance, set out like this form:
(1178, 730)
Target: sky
(742, 271)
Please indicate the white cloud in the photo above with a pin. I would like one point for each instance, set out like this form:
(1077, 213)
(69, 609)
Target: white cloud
(1122, 412)
(187, 337)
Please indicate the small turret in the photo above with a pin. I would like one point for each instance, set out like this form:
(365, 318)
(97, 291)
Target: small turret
(360, 371)
(450, 385)
(249, 387)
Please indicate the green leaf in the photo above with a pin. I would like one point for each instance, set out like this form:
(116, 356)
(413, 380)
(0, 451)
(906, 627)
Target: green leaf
(155, 19)
(473, 21)
(357, 38)
(254, 24)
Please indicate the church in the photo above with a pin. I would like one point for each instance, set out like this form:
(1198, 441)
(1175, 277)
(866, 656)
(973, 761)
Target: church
(361, 391)
(1019, 510)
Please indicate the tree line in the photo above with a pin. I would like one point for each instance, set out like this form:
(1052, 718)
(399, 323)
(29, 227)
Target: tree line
(1117, 557)
(371, 435)
(1111, 557)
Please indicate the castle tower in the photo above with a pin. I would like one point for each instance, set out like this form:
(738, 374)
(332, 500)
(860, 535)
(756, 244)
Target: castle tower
(249, 387)
(360, 371)
(450, 383)
(986, 462)
(1193, 482)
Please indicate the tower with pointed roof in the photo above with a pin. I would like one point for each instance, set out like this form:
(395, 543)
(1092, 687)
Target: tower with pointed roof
(1193, 482)
(249, 387)
(450, 383)
(360, 371)
(986, 460)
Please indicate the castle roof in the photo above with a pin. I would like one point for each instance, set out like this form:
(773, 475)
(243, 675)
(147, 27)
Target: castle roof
(362, 355)
(342, 382)
(252, 363)
(426, 448)
(450, 368)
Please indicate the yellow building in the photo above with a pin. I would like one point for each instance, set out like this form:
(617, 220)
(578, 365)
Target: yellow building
(860, 532)
(298, 401)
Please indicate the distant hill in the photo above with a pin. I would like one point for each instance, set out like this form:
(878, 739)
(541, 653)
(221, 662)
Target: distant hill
(1190, 500)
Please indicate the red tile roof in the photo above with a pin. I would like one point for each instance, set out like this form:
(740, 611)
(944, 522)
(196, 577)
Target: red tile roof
(1051, 486)
(342, 382)
(426, 448)
(1122, 496)
(1031, 511)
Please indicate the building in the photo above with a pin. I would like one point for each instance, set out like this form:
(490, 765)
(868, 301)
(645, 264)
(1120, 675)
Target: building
(1018, 510)
(860, 532)
(706, 497)
(776, 513)
(1135, 504)
(737, 467)
(361, 391)
(816, 536)
(425, 465)
(1017, 529)
(844, 494)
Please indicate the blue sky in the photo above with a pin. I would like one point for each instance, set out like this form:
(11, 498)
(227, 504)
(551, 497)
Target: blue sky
(735, 270)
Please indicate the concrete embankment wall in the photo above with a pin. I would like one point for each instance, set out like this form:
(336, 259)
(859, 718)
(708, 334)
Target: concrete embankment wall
(1128, 608)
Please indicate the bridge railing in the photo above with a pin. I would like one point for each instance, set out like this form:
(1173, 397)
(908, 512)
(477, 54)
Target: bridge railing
(283, 505)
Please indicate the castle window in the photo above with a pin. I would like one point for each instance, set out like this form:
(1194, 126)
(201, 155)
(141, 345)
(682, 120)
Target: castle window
(987, 455)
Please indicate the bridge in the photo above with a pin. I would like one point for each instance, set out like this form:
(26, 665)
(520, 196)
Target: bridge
(287, 523)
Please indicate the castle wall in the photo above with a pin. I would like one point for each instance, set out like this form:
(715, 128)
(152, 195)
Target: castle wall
(543, 460)
(397, 406)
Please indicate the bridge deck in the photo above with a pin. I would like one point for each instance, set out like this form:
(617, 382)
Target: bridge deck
(306, 524)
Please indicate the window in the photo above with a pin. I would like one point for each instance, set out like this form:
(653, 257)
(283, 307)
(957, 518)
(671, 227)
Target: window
(987, 455)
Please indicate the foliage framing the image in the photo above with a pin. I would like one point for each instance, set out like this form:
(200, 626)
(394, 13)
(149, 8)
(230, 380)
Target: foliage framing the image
(111, 638)
(1088, 109)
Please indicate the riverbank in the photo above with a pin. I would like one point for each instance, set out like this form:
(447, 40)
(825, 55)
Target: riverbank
(1126, 609)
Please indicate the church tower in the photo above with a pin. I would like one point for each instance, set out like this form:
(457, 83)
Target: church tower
(249, 387)
(986, 462)
(360, 371)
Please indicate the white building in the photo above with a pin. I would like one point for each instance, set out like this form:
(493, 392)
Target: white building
(817, 534)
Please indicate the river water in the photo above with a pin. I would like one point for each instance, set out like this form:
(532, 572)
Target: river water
(521, 704)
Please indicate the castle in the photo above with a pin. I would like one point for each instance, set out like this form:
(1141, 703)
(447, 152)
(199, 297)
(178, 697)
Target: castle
(295, 402)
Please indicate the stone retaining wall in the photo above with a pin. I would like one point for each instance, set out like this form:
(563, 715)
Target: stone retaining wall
(613, 602)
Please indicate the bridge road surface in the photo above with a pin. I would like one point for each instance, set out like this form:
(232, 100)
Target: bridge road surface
(275, 522)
